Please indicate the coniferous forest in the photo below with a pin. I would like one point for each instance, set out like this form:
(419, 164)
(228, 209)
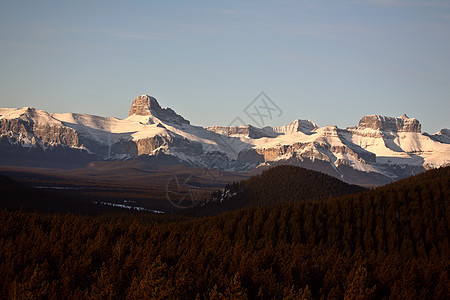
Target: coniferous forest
(388, 242)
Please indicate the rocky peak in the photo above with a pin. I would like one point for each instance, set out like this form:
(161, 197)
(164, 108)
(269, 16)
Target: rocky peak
(382, 123)
(243, 130)
(146, 105)
(445, 132)
(305, 126)
(442, 136)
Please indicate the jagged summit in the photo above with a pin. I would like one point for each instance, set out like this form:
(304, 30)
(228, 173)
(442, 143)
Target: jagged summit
(28, 114)
(383, 123)
(305, 126)
(143, 105)
(243, 131)
(146, 105)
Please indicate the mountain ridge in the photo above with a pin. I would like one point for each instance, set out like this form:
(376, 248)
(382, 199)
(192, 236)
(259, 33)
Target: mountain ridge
(379, 150)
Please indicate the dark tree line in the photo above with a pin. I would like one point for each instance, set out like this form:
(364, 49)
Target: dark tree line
(391, 242)
(281, 184)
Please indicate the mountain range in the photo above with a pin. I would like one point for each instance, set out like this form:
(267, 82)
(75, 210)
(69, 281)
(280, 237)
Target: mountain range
(379, 150)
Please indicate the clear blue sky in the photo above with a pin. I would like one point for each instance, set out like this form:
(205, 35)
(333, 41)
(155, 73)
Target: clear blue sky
(328, 61)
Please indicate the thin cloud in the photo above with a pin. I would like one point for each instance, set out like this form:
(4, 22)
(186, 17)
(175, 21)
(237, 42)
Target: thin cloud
(134, 35)
(147, 36)
(443, 16)
(185, 28)
(176, 32)
(32, 46)
(327, 30)
(405, 3)
(232, 12)
(245, 13)
(58, 47)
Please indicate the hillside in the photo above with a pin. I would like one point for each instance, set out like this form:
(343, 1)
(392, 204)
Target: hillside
(279, 185)
(391, 242)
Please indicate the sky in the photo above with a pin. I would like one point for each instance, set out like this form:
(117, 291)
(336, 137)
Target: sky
(328, 61)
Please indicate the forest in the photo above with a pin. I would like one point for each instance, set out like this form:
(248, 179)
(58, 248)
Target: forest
(281, 184)
(388, 242)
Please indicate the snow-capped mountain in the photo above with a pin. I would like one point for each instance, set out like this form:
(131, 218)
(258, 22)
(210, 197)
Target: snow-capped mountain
(379, 150)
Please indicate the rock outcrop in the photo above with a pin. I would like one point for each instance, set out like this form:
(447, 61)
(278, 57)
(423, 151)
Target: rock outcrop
(305, 126)
(242, 131)
(146, 105)
(442, 136)
(382, 123)
(32, 127)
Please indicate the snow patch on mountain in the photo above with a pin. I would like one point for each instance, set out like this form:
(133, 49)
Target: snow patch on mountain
(379, 144)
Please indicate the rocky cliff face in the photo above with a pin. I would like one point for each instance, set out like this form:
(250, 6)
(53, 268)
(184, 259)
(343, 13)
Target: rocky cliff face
(305, 126)
(32, 127)
(442, 136)
(382, 123)
(242, 131)
(145, 105)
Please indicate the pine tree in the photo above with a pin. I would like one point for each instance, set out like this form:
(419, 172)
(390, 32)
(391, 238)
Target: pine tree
(357, 285)
(235, 289)
(155, 284)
